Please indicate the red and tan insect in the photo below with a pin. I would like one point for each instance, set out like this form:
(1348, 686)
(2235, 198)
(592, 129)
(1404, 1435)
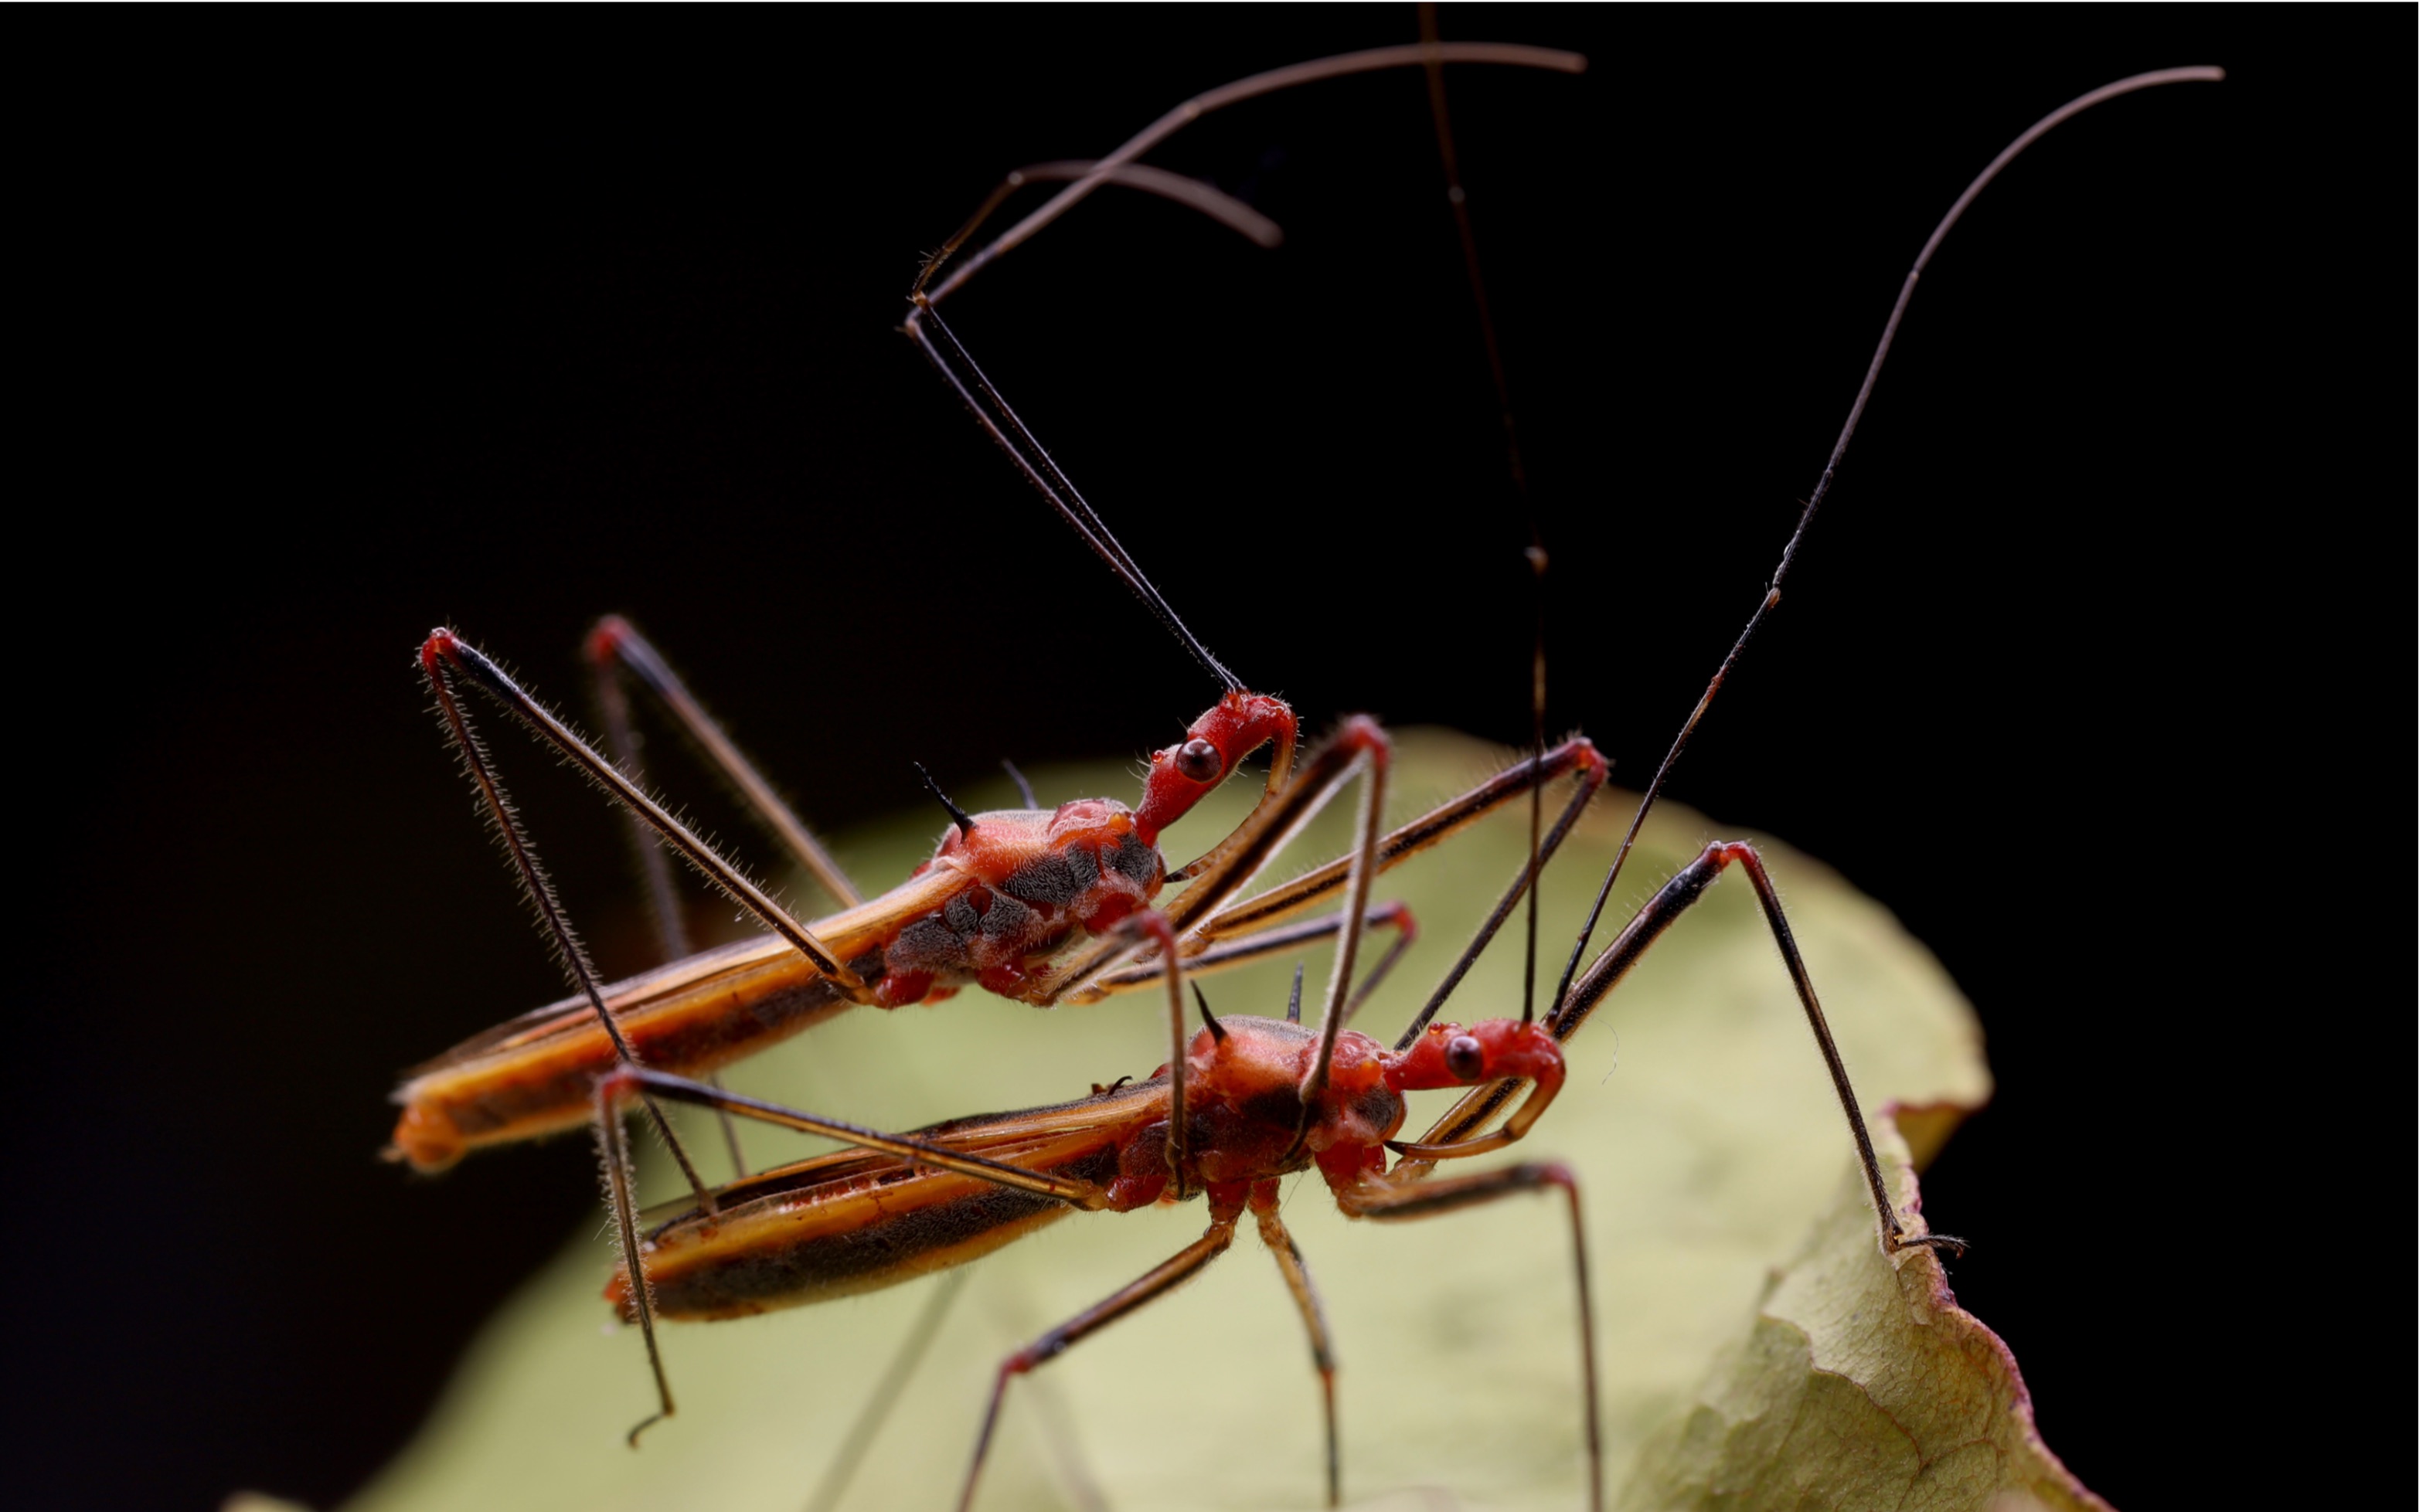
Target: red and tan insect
(1240, 1104)
(1008, 897)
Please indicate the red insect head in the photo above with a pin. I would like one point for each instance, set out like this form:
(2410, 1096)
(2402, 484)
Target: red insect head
(1237, 725)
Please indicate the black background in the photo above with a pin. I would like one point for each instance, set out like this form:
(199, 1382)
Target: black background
(332, 334)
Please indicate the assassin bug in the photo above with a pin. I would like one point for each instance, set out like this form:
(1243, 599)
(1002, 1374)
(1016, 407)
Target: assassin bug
(1003, 895)
(1243, 1104)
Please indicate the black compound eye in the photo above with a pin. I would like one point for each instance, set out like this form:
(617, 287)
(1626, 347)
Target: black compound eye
(1198, 761)
(1464, 1057)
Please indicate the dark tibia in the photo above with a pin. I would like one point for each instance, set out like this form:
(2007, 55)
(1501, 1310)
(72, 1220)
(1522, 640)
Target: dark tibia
(450, 652)
(878, 1406)
(1281, 940)
(1590, 779)
(1661, 911)
(654, 867)
(1296, 1272)
(1162, 1280)
(1409, 1197)
(535, 885)
(615, 643)
(1313, 887)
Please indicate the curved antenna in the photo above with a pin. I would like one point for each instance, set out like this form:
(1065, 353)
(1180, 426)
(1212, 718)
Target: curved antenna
(1460, 199)
(1192, 193)
(993, 413)
(1369, 61)
(1823, 485)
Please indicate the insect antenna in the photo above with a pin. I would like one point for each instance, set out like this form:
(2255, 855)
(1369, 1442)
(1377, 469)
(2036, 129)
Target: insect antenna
(1119, 167)
(966, 820)
(1294, 1005)
(1823, 485)
(1433, 62)
(1000, 421)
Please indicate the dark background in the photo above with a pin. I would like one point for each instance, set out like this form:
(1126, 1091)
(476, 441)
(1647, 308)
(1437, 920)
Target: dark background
(333, 333)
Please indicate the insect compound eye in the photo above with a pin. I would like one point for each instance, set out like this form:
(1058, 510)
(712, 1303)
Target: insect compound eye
(1199, 760)
(1464, 1058)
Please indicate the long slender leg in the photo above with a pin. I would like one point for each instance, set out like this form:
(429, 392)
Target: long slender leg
(1523, 882)
(615, 643)
(878, 1408)
(613, 1152)
(1690, 884)
(655, 868)
(1575, 756)
(1271, 825)
(1347, 945)
(445, 652)
(1228, 953)
(1154, 1284)
(620, 1180)
(663, 1084)
(1389, 1199)
(539, 889)
(1296, 1272)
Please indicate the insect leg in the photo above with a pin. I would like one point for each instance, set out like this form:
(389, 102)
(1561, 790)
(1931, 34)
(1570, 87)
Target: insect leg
(1156, 1283)
(1356, 907)
(614, 1151)
(1281, 940)
(615, 645)
(539, 889)
(1684, 888)
(443, 649)
(638, 1080)
(860, 1440)
(1393, 1200)
(1576, 757)
(663, 898)
(1313, 1319)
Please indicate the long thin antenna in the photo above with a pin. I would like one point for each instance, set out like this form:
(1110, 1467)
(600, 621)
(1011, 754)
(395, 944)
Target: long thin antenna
(1104, 169)
(992, 412)
(1823, 485)
(995, 417)
(1460, 199)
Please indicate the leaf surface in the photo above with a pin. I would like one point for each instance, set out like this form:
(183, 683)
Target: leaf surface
(1697, 1117)
(1859, 1384)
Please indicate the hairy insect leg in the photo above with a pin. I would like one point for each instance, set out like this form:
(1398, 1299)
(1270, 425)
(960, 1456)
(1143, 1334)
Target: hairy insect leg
(446, 652)
(1406, 1197)
(539, 889)
(1156, 1283)
(1688, 885)
(1296, 1272)
(655, 868)
(613, 1152)
(615, 645)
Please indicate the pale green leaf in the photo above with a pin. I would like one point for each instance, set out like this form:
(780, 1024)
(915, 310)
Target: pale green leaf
(1859, 1382)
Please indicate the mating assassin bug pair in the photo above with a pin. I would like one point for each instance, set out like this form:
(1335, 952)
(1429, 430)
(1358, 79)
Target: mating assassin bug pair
(1051, 908)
